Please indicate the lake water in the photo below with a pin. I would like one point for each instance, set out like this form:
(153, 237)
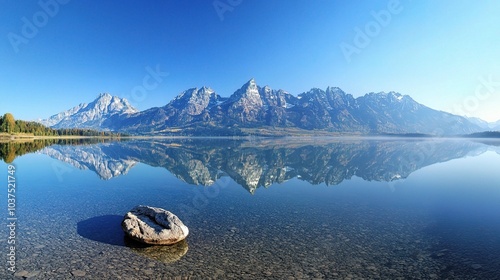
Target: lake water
(283, 208)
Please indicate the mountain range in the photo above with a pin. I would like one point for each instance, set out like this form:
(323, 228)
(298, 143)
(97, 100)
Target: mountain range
(258, 110)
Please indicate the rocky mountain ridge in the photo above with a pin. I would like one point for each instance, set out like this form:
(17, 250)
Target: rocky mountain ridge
(204, 112)
(91, 115)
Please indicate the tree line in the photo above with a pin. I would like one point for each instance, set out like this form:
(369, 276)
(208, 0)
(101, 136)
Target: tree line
(11, 149)
(9, 125)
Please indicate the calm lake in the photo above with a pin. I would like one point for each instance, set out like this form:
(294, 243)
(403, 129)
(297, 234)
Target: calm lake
(259, 208)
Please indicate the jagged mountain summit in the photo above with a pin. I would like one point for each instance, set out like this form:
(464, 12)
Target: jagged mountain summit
(253, 109)
(254, 106)
(91, 115)
(189, 106)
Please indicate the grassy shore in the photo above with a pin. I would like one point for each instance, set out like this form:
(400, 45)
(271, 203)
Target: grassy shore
(30, 136)
(14, 136)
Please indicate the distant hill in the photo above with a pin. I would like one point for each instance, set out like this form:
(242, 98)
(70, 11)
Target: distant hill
(485, 126)
(486, 134)
(252, 108)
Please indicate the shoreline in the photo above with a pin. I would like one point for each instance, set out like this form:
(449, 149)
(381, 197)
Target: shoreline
(20, 138)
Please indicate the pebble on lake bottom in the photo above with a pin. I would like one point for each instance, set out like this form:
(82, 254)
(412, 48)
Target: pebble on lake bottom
(78, 273)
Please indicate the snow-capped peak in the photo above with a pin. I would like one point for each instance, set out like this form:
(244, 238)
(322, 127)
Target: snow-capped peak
(392, 95)
(91, 115)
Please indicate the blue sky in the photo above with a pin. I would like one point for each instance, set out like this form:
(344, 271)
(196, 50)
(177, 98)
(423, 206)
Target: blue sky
(442, 53)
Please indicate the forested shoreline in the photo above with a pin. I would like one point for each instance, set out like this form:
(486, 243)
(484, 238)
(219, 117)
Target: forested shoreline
(9, 127)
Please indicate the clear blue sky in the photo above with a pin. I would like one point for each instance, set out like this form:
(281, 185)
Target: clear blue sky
(435, 51)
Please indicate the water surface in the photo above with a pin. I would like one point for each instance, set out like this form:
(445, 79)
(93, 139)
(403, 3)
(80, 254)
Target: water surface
(286, 208)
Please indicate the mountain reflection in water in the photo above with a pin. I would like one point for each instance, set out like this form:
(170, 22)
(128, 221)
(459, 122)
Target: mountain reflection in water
(256, 163)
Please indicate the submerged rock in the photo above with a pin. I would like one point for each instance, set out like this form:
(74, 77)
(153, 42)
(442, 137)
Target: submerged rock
(156, 226)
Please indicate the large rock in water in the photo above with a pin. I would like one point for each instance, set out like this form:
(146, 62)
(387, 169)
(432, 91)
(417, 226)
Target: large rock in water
(154, 226)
